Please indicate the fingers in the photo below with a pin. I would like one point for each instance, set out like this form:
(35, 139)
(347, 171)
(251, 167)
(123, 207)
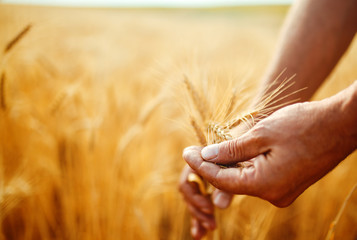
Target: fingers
(192, 194)
(240, 149)
(221, 199)
(206, 220)
(197, 230)
(232, 180)
(200, 207)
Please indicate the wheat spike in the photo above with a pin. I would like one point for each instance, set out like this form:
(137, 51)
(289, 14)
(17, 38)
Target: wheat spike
(231, 103)
(197, 100)
(220, 134)
(57, 102)
(146, 113)
(199, 133)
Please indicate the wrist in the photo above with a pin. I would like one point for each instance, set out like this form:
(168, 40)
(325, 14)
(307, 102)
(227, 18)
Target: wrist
(345, 104)
(350, 107)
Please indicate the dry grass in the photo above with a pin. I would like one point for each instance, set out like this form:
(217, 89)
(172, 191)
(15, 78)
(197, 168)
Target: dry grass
(93, 128)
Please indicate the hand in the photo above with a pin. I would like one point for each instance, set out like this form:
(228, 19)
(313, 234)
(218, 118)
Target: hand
(200, 206)
(282, 155)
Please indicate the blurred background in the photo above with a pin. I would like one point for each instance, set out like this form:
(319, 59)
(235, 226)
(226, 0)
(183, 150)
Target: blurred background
(94, 118)
(150, 3)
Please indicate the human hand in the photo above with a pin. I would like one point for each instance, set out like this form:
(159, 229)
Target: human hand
(201, 206)
(282, 155)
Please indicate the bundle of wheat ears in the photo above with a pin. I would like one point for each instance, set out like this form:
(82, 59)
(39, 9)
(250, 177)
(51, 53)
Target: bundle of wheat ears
(210, 131)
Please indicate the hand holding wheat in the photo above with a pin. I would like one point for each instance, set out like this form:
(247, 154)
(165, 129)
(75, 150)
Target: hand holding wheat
(285, 153)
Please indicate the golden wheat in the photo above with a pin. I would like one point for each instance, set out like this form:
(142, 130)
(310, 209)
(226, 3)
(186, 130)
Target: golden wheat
(71, 169)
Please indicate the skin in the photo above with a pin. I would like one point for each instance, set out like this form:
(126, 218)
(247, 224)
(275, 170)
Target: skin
(294, 147)
(280, 153)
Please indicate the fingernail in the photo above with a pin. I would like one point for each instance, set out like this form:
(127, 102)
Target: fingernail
(210, 152)
(221, 200)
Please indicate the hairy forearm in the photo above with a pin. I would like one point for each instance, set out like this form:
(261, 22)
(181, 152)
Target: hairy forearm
(314, 37)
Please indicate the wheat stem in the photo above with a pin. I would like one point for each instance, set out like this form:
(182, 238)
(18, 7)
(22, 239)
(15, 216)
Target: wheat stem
(17, 38)
(331, 232)
(2, 92)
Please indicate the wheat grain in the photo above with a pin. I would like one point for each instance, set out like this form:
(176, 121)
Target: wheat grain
(220, 133)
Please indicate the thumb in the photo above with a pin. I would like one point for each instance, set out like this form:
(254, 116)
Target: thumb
(240, 149)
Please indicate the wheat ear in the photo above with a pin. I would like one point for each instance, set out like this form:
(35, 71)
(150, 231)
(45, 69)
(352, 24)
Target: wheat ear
(57, 102)
(231, 103)
(199, 133)
(218, 132)
(197, 100)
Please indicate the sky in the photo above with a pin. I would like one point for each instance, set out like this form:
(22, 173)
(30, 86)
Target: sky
(146, 3)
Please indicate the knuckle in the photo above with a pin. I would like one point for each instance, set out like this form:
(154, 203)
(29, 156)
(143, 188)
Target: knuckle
(235, 149)
(259, 132)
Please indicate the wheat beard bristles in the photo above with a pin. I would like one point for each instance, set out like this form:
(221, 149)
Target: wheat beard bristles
(236, 121)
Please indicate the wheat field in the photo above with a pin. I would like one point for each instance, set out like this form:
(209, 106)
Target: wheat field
(93, 122)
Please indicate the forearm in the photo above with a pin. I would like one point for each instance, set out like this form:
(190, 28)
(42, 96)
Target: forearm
(314, 37)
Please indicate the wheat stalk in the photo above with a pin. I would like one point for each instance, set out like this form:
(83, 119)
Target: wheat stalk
(3, 92)
(331, 232)
(17, 38)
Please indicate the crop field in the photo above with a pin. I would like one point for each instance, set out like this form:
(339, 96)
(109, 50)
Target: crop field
(94, 117)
